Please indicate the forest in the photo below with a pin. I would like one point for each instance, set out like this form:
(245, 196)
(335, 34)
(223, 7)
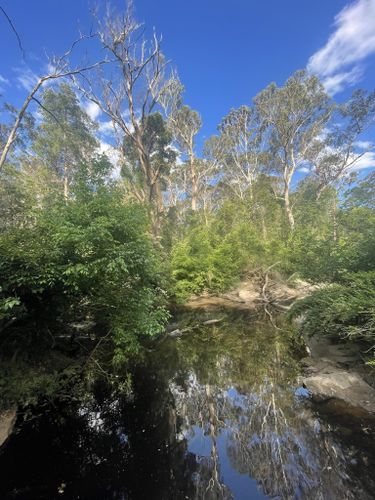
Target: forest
(98, 248)
(115, 240)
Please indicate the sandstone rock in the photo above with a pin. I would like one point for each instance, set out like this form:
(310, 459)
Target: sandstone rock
(332, 383)
(7, 421)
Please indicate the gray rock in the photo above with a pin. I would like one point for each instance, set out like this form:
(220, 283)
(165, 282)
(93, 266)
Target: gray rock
(7, 421)
(333, 383)
(212, 321)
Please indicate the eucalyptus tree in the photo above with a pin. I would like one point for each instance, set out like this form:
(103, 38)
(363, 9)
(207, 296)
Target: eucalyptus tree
(185, 124)
(64, 140)
(363, 193)
(336, 153)
(129, 89)
(292, 117)
(156, 139)
(240, 149)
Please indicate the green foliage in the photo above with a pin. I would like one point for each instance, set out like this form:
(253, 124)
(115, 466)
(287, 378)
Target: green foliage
(345, 309)
(157, 143)
(213, 256)
(92, 254)
(51, 377)
(64, 139)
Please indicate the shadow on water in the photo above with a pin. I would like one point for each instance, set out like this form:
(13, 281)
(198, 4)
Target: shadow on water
(214, 414)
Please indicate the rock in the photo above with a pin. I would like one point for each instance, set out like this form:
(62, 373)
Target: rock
(333, 383)
(212, 321)
(83, 326)
(226, 301)
(175, 333)
(344, 354)
(7, 421)
(247, 295)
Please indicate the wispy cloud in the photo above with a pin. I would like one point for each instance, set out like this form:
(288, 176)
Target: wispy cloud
(336, 83)
(304, 170)
(340, 62)
(26, 77)
(364, 145)
(365, 161)
(92, 110)
(4, 82)
(106, 128)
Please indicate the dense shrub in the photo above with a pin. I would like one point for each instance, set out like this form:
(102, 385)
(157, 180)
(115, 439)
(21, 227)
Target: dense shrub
(345, 309)
(92, 255)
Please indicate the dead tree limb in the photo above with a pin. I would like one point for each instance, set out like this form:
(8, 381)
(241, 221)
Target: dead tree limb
(10, 22)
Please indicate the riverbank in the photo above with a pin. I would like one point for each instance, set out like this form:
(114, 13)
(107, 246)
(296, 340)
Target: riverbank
(335, 376)
(334, 373)
(254, 293)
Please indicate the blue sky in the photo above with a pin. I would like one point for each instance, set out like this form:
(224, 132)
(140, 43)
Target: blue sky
(225, 51)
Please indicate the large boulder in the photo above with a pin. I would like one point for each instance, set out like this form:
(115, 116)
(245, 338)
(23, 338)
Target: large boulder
(349, 387)
(7, 421)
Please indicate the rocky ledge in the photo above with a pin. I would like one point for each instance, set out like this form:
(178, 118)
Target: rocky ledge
(7, 421)
(330, 377)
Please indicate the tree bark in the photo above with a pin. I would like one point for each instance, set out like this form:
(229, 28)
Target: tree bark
(194, 184)
(288, 208)
(66, 184)
(334, 221)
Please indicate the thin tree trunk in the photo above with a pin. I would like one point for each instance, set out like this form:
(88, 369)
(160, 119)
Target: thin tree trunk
(320, 191)
(334, 221)
(194, 183)
(13, 133)
(263, 222)
(66, 185)
(288, 208)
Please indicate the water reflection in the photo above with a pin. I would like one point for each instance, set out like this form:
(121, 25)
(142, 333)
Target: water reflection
(213, 415)
(240, 413)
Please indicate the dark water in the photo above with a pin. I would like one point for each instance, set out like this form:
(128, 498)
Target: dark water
(216, 414)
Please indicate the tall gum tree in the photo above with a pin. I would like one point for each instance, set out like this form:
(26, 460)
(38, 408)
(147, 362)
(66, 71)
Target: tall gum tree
(335, 155)
(65, 137)
(292, 117)
(240, 149)
(128, 90)
(185, 123)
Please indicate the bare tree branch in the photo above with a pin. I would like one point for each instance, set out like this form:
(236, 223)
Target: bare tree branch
(14, 31)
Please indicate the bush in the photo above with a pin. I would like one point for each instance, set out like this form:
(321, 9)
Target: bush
(345, 309)
(92, 255)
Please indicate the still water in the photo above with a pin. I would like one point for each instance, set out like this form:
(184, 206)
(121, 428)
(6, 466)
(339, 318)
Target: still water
(215, 414)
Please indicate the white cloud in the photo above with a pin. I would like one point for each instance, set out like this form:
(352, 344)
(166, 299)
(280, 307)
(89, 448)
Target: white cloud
(92, 110)
(106, 128)
(364, 144)
(304, 170)
(26, 77)
(4, 81)
(336, 83)
(339, 62)
(365, 161)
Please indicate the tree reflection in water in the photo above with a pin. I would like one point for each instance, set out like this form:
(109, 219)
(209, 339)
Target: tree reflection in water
(239, 389)
(213, 415)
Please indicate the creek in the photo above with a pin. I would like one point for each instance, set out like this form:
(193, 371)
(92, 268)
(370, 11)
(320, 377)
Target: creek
(215, 414)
